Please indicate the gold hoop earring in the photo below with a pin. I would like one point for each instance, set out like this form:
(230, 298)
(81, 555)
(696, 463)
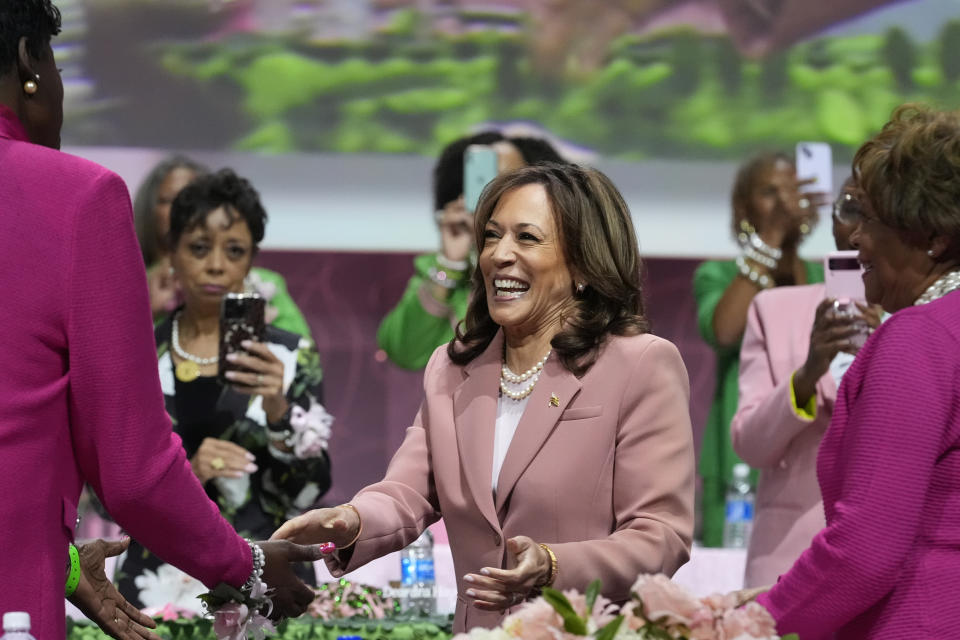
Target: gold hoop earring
(30, 87)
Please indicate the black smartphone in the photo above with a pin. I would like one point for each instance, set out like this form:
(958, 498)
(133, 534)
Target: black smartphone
(241, 318)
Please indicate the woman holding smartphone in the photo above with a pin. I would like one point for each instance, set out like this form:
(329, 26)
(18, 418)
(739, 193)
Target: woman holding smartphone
(771, 217)
(256, 438)
(796, 348)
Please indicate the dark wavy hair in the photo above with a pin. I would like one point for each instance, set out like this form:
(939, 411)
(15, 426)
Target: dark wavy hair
(910, 175)
(208, 193)
(145, 200)
(36, 20)
(599, 244)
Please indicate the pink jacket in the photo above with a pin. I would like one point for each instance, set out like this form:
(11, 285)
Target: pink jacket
(80, 398)
(767, 433)
(604, 474)
(887, 565)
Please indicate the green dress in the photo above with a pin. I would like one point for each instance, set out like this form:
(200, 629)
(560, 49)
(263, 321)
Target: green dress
(717, 457)
(412, 331)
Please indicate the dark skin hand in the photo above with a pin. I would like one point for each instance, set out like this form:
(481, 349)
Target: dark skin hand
(831, 334)
(99, 600)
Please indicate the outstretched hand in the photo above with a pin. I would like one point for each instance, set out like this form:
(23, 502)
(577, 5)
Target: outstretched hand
(290, 595)
(496, 589)
(99, 600)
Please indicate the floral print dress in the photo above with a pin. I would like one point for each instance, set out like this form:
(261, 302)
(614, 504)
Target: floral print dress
(284, 485)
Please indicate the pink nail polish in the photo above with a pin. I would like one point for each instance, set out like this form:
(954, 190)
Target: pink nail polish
(468, 578)
(327, 548)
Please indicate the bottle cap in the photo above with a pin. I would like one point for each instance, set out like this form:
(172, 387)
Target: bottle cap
(16, 620)
(741, 470)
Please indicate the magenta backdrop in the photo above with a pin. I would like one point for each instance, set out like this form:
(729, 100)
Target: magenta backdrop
(344, 295)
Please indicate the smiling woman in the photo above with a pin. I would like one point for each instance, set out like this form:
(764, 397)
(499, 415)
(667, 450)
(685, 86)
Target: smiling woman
(258, 444)
(581, 466)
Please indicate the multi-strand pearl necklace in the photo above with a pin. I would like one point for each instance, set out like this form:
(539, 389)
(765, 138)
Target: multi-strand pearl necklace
(942, 286)
(532, 374)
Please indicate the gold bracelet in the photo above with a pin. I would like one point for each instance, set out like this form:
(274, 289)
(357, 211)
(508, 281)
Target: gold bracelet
(554, 570)
(347, 505)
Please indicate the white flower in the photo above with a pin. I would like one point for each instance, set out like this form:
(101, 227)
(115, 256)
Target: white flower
(311, 430)
(169, 585)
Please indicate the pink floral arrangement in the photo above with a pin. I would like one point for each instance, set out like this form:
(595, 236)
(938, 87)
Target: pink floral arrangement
(658, 609)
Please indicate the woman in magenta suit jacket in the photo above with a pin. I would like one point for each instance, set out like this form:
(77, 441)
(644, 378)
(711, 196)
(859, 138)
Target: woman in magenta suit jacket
(80, 398)
(887, 564)
(554, 436)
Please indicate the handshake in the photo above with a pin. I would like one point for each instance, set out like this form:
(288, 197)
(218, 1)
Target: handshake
(98, 599)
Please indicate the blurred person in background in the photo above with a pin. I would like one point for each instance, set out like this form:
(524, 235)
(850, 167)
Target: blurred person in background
(77, 401)
(887, 564)
(258, 445)
(795, 351)
(581, 466)
(437, 295)
(770, 218)
(151, 210)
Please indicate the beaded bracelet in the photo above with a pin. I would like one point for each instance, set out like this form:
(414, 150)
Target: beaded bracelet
(73, 578)
(258, 561)
(762, 280)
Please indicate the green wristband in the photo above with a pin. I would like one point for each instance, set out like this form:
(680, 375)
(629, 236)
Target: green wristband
(73, 578)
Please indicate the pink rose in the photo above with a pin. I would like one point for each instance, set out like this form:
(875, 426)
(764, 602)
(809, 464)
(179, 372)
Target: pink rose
(537, 620)
(750, 621)
(664, 600)
(230, 621)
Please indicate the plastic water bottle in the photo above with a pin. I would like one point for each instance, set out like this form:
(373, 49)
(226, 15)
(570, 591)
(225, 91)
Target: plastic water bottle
(16, 626)
(738, 524)
(416, 570)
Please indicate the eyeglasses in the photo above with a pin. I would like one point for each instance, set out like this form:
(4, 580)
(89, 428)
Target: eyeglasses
(847, 209)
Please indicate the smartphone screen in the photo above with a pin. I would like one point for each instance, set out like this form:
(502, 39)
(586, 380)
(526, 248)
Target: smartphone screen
(815, 161)
(842, 276)
(241, 318)
(480, 164)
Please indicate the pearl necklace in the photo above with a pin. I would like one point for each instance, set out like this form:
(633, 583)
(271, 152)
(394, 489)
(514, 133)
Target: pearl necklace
(532, 374)
(942, 286)
(177, 349)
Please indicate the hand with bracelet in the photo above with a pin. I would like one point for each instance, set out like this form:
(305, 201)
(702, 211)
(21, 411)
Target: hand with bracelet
(340, 526)
(495, 589)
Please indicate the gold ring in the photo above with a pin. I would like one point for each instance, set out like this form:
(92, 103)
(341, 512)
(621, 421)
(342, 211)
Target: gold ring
(217, 463)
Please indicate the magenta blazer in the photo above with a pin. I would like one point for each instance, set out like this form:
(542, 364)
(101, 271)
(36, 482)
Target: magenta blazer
(887, 565)
(80, 397)
(601, 468)
(768, 435)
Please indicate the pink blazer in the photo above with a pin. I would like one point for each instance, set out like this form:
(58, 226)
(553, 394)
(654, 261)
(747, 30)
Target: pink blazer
(604, 475)
(768, 434)
(79, 393)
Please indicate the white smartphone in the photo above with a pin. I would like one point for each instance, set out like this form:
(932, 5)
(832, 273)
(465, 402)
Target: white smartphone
(842, 275)
(815, 161)
(480, 164)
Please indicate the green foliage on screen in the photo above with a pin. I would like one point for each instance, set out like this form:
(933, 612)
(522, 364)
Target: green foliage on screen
(676, 95)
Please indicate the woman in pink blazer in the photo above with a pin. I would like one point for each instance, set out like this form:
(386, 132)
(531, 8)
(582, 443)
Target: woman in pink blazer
(794, 350)
(887, 564)
(581, 467)
(80, 398)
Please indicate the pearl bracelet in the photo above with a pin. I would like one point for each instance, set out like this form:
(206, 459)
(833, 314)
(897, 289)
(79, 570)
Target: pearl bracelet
(259, 559)
(762, 280)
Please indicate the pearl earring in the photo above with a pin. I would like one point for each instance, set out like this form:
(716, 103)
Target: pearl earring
(581, 287)
(30, 87)
(930, 252)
